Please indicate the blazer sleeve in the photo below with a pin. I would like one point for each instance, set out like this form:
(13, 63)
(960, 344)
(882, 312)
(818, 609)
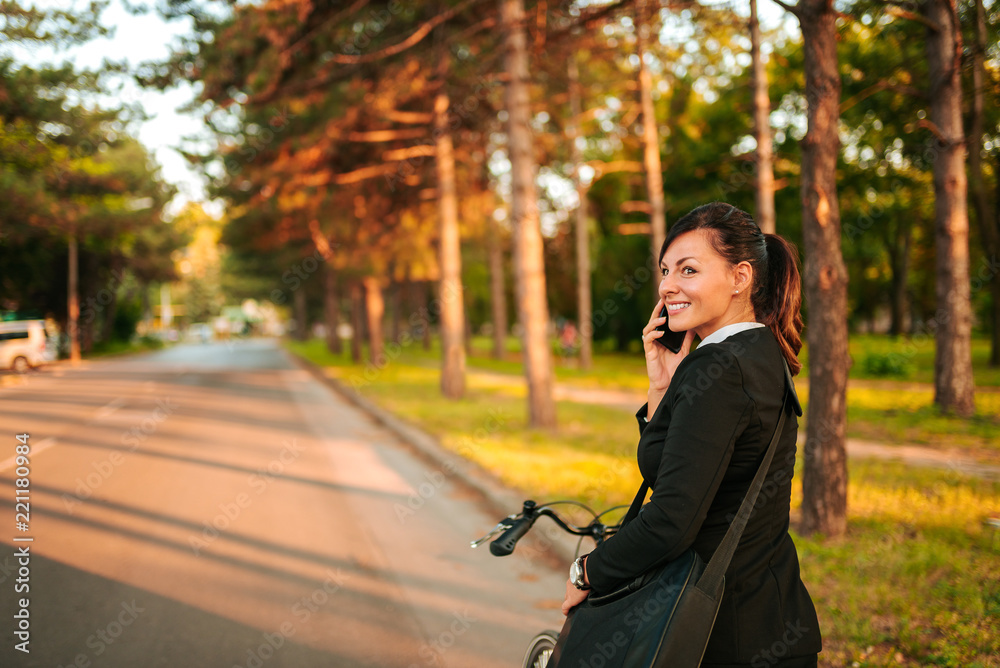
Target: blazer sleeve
(707, 410)
(641, 418)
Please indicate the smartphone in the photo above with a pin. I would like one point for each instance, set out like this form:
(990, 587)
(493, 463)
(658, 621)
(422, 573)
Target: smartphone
(670, 340)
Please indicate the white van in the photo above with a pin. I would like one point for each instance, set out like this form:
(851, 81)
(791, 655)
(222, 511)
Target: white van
(23, 345)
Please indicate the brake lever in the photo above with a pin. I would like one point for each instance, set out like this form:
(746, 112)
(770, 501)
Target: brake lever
(502, 525)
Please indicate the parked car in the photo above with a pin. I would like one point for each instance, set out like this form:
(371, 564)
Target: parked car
(23, 345)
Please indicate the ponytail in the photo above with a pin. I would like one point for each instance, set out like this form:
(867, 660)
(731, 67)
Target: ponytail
(777, 298)
(777, 292)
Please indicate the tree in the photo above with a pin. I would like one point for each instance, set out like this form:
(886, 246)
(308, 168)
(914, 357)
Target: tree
(529, 268)
(764, 186)
(450, 291)
(989, 225)
(77, 191)
(650, 138)
(582, 228)
(824, 484)
(953, 383)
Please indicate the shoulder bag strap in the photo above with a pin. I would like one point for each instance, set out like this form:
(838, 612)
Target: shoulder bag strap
(633, 510)
(712, 577)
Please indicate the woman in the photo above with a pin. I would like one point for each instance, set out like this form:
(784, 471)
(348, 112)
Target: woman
(704, 432)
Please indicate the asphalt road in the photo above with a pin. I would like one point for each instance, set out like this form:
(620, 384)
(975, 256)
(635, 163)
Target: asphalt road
(213, 505)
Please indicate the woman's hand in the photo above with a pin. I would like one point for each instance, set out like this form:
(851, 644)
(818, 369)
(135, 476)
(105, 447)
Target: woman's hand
(660, 362)
(574, 597)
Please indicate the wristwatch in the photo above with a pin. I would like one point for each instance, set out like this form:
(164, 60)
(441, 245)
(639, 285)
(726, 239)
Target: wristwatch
(576, 574)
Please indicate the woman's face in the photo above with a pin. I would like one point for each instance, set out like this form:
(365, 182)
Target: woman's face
(698, 286)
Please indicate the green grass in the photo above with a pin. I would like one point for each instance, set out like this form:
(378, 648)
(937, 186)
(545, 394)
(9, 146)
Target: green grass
(913, 582)
(917, 353)
(890, 411)
(109, 348)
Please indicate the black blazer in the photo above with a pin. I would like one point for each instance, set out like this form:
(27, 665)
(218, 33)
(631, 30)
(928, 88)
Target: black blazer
(698, 453)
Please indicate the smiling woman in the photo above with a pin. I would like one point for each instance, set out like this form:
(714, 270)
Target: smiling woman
(704, 433)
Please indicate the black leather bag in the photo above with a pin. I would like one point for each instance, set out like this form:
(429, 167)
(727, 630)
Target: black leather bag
(664, 618)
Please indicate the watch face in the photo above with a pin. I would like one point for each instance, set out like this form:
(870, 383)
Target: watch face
(575, 575)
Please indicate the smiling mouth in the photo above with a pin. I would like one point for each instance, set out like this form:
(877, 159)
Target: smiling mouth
(673, 308)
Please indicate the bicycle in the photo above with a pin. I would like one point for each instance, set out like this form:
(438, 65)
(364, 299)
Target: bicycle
(514, 527)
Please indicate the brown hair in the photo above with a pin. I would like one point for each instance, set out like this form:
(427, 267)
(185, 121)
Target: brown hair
(776, 295)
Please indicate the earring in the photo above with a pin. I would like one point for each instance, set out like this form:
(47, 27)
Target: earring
(736, 292)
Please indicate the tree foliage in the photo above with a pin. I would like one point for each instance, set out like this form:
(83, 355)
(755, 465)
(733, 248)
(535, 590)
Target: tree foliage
(69, 167)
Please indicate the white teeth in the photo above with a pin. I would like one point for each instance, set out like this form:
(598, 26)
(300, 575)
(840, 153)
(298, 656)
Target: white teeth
(676, 307)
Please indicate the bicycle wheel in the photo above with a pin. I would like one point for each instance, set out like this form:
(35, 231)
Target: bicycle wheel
(540, 649)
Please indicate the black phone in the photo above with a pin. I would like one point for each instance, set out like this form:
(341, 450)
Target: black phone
(670, 340)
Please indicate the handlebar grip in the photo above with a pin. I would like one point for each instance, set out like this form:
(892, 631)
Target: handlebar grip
(504, 545)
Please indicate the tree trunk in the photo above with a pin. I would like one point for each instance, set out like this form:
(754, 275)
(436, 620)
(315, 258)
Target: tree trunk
(375, 309)
(494, 240)
(583, 296)
(989, 224)
(108, 316)
(450, 287)
(73, 298)
(425, 295)
(762, 130)
(992, 268)
(498, 293)
(650, 140)
(301, 315)
(529, 260)
(397, 312)
(468, 331)
(824, 484)
(357, 302)
(899, 259)
(331, 303)
(953, 384)
(147, 312)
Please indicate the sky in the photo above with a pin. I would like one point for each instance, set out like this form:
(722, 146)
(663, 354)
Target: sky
(148, 37)
(137, 39)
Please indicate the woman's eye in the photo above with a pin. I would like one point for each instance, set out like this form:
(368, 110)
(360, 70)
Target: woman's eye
(664, 271)
(687, 271)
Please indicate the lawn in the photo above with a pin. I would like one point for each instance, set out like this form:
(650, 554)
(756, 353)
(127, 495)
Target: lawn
(914, 582)
(879, 409)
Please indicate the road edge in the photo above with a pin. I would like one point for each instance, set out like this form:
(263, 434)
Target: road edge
(498, 497)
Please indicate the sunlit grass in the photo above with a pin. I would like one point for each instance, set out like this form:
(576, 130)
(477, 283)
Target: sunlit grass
(904, 415)
(915, 580)
(885, 410)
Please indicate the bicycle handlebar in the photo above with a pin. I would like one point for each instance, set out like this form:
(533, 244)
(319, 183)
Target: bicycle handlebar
(515, 527)
(505, 544)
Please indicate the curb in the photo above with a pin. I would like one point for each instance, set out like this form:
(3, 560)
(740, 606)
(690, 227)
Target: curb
(499, 498)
